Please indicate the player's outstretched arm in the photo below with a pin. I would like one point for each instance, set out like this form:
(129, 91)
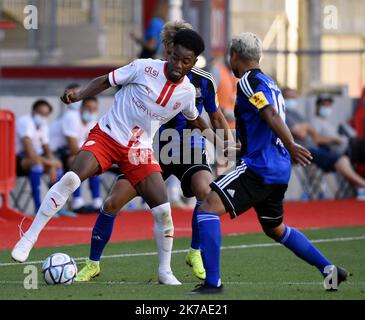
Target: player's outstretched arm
(95, 87)
(299, 154)
(219, 121)
(206, 131)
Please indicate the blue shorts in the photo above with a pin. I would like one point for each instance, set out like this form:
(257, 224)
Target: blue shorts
(325, 158)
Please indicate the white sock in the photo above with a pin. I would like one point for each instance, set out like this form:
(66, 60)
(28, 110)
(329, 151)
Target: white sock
(94, 262)
(54, 200)
(164, 232)
(97, 203)
(77, 203)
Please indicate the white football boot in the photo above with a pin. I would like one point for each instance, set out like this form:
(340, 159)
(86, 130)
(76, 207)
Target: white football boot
(22, 249)
(168, 278)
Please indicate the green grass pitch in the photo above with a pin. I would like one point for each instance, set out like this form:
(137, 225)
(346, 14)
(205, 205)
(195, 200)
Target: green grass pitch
(252, 266)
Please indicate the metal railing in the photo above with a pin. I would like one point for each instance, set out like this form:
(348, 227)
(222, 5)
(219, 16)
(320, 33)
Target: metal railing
(115, 19)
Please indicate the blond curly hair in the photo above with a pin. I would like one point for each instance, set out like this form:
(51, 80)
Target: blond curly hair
(170, 28)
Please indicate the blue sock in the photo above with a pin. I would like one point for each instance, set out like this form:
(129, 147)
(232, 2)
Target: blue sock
(101, 234)
(60, 174)
(35, 176)
(303, 248)
(210, 245)
(195, 242)
(94, 184)
(77, 193)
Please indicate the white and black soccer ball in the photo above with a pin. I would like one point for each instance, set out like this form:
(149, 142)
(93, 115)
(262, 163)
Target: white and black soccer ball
(59, 268)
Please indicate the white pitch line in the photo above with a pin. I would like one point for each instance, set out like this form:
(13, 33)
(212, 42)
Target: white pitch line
(77, 229)
(242, 246)
(68, 229)
(239, 283)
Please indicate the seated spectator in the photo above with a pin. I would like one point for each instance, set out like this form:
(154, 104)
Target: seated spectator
(151, 42)
(324, 157)
(33, 154)
(68, 134)
(342, 143)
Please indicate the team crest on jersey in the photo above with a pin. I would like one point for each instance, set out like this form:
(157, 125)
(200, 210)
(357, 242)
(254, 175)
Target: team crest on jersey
(198, 92)
(176, 106)
(89, 143)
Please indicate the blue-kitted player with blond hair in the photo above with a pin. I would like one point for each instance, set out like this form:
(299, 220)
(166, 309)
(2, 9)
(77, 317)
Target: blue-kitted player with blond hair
(261, 176)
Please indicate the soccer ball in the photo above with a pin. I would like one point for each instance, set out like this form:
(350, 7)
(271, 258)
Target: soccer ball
(59, 268)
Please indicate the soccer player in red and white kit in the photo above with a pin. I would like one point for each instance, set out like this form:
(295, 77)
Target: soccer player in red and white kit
(152, 93)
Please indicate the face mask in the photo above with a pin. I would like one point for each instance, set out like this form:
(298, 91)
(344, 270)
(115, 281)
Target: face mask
(325, 112)
(75, 105)
(39, 120)
(290, 104)
(88, 117)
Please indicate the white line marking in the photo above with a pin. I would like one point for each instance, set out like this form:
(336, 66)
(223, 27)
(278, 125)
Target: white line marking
(239, 283)
(242, 246)
(68, 229)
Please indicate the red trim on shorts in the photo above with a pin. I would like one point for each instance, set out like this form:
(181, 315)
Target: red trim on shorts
(115, 82)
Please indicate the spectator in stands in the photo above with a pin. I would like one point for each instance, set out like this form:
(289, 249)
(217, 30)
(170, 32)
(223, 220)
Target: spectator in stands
(68, 134)
(347, 142)
(151, 43)
(226, 88)
(324, 157)
(33, 154)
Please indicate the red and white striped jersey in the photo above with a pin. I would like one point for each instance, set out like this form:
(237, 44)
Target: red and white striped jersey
(146, 100)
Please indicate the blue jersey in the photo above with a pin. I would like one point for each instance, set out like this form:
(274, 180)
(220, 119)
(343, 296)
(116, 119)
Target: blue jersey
(262, 150)
(206, 98)
(153, 31)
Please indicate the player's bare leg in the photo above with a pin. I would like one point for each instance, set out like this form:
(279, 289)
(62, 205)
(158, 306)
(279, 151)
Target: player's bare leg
(200, 182)
(153, 191)
(84, 166)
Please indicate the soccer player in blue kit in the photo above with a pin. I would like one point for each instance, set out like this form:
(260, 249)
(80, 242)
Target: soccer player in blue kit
(261, 176)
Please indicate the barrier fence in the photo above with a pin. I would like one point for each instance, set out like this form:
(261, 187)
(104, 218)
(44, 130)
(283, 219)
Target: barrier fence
(7, 164)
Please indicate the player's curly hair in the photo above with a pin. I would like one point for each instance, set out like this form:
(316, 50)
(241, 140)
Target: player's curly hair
(248, 46)
(190, 40)
(171, 28)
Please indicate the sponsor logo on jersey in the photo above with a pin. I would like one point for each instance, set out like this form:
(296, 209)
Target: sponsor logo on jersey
(139, 104)
(198, 92)
(176, 106)
(151, 72)
(89, 143)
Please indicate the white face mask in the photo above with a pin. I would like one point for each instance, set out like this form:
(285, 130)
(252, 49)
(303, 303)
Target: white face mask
(88, 117)
(291, 104)
(325, 112)
(75, 105)
(39, 120)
